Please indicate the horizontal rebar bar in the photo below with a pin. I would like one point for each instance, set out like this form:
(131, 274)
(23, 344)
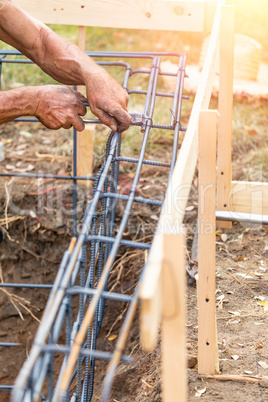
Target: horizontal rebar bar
(26, 285)
(145, 161)
(9, 344)
(106, 295)
(97, 354)
(161, 94)
(241, 217)
(136, 199)
(128, 243)
(46, 176)
(6, 387)
(14, 52)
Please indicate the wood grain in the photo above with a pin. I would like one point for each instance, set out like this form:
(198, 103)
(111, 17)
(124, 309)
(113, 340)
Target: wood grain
(208, 360)
(139, 14)
(224, 162)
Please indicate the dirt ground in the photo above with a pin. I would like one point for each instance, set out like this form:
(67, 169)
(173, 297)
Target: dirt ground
(34, 244)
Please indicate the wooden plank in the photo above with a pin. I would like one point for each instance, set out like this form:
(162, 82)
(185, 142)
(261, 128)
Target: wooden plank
(224, 162)
(174, 367)
(210, 9)
(208, 360)
(249, 197)
(85, 139)
(139, 14)
(85, 145)
(150, 315)
(82, 37)
(173, 210)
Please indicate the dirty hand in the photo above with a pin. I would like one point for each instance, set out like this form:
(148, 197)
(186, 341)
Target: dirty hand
(59, 106)
(107, 99)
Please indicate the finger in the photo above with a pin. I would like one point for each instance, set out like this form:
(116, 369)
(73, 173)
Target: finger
(122, 127)
(82, 110)
(78, 123)
(106, 118)
(122, 116)
(67, 125)
(81, 97)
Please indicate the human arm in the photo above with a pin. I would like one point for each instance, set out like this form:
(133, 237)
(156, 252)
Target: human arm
(55, 106)
(66, 63)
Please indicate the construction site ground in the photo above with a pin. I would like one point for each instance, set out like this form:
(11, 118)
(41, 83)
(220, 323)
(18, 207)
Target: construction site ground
(35, 240)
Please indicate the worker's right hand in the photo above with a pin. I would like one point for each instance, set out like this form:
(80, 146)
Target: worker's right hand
(106, 98)
(59, 106)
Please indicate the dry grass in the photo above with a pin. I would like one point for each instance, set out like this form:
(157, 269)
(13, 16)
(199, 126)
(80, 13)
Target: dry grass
(18, 302)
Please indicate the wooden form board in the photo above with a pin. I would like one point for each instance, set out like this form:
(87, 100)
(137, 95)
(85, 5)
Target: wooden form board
(224, 161)
(208, 360)
(248, 197)
(172, 15)
(174, 357)
(173, 211)
(85, 144)
(85, 139)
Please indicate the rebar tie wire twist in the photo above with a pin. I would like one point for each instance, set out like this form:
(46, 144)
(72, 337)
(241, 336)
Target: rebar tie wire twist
(38, 377)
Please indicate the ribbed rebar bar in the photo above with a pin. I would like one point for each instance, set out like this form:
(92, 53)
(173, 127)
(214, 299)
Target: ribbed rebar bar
(85, 268)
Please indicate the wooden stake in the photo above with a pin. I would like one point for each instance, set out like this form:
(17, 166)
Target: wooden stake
(85, 139)
(225, 110)
(208, 361)
(174, 358)
(151, 313)
(82, 37)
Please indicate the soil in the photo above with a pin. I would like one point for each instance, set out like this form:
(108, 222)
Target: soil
(36, 239)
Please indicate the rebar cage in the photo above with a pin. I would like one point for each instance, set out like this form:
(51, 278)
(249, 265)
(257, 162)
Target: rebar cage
(62, 358)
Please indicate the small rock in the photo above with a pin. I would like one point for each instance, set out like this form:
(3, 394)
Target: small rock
(25, 275)
(7, 312)
(191, 361)
(25, 134)
(2, 334)
(3, 375)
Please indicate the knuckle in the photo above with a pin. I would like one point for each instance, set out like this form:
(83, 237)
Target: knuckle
(55, 126)
(84, 109)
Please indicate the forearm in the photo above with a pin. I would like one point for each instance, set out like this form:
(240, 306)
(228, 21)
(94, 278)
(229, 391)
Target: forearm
(66, 63)
(63, 60)
(57, 57)
(18, 102)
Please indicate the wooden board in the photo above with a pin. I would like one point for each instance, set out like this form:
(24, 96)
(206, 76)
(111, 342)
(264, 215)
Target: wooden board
(85, 139)
(208, 361)
(249, 197)
(224, 162)
(85, 144)
(139, 14)
(174, 367)
(151, 312)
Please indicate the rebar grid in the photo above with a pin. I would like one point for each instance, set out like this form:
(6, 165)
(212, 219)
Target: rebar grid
(86, 265)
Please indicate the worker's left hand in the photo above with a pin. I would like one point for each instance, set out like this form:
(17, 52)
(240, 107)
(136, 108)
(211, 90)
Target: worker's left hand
(107, 99)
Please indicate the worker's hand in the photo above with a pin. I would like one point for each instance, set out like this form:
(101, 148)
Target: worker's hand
(66, 63)
(107, 99)
(59, 106)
